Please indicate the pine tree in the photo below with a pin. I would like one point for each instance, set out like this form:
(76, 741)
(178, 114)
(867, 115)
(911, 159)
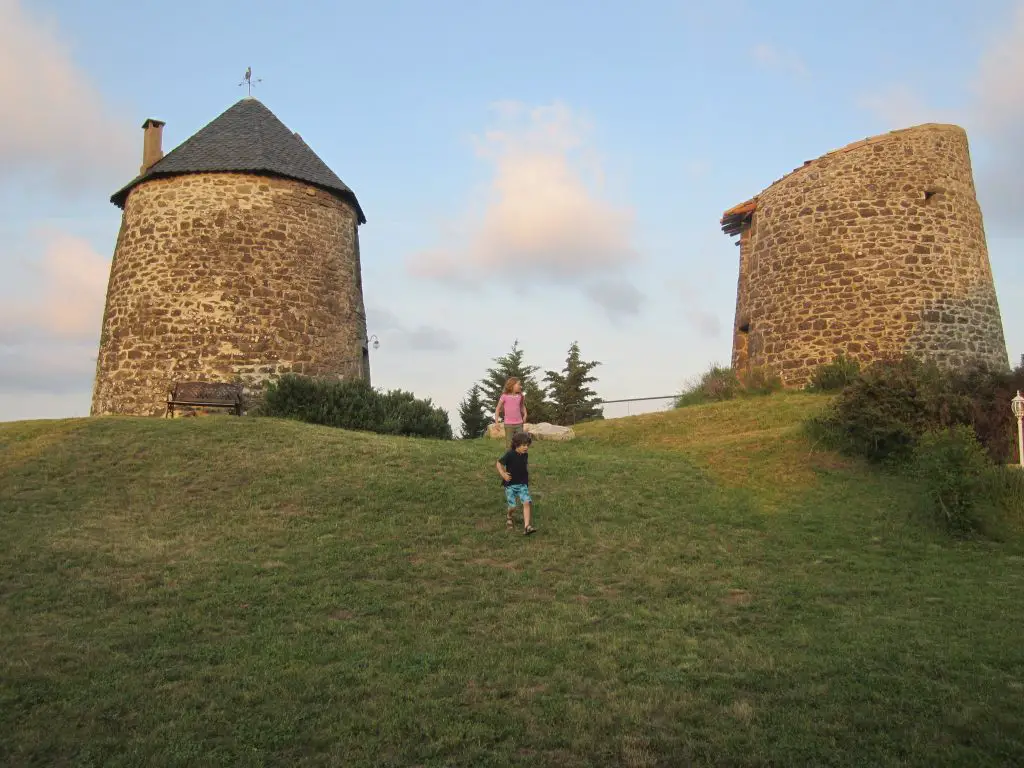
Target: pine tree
(514, 364)
(572, 399)
(473, 414)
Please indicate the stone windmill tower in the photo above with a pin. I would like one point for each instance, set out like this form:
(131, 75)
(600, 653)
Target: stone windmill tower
(876, 249)
(237, 260)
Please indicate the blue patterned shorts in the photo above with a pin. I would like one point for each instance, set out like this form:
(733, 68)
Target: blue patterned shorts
(514, 491)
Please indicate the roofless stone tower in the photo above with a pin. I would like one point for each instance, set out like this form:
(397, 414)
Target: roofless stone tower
(872, 250)
(237, 260)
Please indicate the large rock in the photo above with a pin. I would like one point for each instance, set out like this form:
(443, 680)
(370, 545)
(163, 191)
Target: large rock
(542, 431)
(546, 431)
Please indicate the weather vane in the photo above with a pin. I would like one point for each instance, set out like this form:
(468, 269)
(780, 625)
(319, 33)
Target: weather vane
(248, 81)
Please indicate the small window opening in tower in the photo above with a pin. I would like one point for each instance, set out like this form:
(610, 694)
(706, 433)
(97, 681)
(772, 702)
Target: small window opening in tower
(366, 362)
(745, 328)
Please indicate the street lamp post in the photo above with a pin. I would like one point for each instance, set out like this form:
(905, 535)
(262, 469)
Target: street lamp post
(1018, 410)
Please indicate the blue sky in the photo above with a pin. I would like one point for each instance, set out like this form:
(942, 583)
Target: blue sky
(594, 145)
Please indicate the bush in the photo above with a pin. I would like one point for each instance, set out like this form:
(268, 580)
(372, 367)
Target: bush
(404, 414)
(981, 397)
(881, 415)
(956, 474)
(719, 383)
(954, 429)
(354, 404)
(759, 380)
(835, 376)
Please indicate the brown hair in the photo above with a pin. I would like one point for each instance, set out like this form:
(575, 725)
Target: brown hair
(521, 438)
(510, 385)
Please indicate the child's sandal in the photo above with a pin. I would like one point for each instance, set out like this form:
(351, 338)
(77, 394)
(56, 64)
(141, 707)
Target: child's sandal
(529, 529)
(508, 522)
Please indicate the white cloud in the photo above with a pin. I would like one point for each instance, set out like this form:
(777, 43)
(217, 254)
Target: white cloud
(999, 85)
(993, 116)
(53, 119)
(44, 405)
(50, 331)
(618, 297)
(68, 303)
(53, 369)
(706, 323)
(770, 57)
(543, 218)
(999, 111)
(419, 338)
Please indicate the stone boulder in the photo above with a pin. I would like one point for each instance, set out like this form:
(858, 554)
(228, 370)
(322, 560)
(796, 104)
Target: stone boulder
(542, 431)
(546, 431)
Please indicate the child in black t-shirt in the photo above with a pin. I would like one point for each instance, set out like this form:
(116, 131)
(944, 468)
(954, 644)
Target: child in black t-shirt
(515, 476)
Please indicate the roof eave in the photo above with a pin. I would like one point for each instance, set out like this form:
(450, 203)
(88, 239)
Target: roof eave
(734, 219)
(120, 197)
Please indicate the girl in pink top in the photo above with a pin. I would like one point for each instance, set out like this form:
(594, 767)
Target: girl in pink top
(513, 403)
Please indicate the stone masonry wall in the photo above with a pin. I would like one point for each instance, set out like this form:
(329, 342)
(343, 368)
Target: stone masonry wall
(873, 250)
(228, 277)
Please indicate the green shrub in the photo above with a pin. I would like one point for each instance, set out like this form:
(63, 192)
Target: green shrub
(834, 376)
(720, 383)
(354, 404)
(404, 414)
(759, 380)
(885, 409)
(980, 396)
(715, 384)
(956, 474)
(881, 415)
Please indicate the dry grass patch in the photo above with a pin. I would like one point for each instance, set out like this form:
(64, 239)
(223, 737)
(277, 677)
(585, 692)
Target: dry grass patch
(756, 444)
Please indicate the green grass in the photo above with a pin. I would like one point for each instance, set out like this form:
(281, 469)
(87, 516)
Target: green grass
(705, 588)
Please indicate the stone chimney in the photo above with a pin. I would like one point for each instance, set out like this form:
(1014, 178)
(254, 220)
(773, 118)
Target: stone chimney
(152, 144)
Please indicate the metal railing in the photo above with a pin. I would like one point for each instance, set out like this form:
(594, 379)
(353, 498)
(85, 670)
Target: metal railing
(628, 401)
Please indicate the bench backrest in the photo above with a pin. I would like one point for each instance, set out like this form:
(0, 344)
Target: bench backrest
(206, 392)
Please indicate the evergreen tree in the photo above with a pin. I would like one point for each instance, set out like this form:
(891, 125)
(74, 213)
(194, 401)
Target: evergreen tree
(571, 397)
(514, 364)
(473, 414)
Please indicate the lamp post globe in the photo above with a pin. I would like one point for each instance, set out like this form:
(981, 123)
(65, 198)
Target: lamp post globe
(1018, 405)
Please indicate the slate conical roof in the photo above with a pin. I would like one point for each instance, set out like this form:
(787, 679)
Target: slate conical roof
(249, 138)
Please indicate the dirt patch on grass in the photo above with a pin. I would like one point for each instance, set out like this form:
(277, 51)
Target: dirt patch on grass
(739, 597)
(741, 710)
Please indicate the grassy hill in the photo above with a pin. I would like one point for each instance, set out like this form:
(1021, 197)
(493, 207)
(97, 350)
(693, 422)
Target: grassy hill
(705, 588)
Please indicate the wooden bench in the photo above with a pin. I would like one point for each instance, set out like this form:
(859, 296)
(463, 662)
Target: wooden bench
(203, 394)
